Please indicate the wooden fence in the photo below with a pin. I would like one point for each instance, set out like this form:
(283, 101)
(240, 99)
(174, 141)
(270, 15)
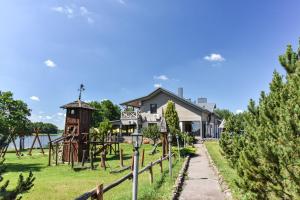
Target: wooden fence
(97, 192)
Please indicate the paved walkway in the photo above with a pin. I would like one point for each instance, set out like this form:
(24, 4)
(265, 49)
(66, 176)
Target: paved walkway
(201, 182)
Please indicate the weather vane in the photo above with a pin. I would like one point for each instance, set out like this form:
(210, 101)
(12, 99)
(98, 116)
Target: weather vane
(81, 89)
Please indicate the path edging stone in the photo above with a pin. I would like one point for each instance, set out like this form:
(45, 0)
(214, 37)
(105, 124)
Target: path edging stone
(177, 188)
(221, 179)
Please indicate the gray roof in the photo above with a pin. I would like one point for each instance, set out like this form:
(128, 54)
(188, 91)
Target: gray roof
(209, 106)
(157, 91)
(78, 104)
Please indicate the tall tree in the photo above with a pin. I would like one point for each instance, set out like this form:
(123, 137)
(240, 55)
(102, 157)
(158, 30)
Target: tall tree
(171, 117)
(13, 120)
(269, 163)
(105, 110)
(223, 113)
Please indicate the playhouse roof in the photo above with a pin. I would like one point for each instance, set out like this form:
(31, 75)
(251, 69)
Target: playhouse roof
(78, 104)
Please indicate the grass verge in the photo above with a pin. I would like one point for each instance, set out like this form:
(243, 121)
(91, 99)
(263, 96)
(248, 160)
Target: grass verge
(229, 174)
(61, 182)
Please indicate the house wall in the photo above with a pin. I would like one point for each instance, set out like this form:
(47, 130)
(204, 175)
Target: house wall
(185, 112)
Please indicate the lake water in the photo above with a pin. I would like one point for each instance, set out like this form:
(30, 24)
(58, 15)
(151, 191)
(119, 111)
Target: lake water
(29, 139)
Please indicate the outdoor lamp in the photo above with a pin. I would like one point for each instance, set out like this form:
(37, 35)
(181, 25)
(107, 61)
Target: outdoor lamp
(177, 136)
(137, 139)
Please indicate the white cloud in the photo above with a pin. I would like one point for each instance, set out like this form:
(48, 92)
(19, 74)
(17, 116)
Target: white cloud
(214, 57)
(157, 85)
(66, 10)
(48, 117)
(75, 11)
(161, 77)
(90, 20)
(50, 63)
(60, 114)
(239, 111)
(122, 2)
(35, 98)
(83, 10)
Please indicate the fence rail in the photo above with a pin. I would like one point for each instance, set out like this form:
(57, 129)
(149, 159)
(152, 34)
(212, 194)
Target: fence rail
(97, 192)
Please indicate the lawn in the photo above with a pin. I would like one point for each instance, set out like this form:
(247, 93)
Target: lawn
(62, 182)
(227, 172)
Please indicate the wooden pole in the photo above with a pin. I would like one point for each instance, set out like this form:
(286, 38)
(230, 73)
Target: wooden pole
(100, 192)
(121, 158)
(29, 153)
(72, 156)
(143, 157)
(83, 157)
(69, 153)
(151, 173)
(49, 159)
(56, 153)
(161, 164)
(91, 159)
(38, 139)
(103, 155)
(17, 152)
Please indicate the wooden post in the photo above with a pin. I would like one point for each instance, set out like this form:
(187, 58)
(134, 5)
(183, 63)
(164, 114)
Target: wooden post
(110, 147)
(72, 156)
(143, 157)
(100, 192)
(29, 153)
(56, 153)
(103, 155)
(121, 158)
(83, 158)
(151, 173)
(49, 159)
(161, 165)
(17, 152)
(69, 153)
(91, 159)
(38, 139)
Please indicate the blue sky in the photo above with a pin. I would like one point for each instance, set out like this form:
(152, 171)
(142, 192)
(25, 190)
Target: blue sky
(120, 49)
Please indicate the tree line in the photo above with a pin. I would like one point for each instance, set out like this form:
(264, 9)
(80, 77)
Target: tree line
(263, 143)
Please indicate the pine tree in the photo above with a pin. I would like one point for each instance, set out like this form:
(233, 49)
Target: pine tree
(269, 164)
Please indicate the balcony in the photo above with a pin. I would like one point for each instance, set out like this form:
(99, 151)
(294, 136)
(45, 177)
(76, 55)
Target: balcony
(130, 117)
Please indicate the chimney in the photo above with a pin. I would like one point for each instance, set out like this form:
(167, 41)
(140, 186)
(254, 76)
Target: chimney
(202, 100)
(180, 92)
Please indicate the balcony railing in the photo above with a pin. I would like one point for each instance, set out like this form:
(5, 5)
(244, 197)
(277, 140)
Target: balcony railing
(130, 115)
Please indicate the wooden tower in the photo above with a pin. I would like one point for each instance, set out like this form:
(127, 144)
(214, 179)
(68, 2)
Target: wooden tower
(76, 133)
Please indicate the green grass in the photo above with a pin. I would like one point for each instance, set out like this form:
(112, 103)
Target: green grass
(224, 168)
(61, 182)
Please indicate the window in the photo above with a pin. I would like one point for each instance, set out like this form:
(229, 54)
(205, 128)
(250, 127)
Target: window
(153, 108)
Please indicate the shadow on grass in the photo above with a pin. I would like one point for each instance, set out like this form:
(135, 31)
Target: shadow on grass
(149, 194)
(17, 167)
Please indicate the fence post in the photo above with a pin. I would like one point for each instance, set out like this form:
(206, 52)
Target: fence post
(143, 158)
(56, 153)
(103, 154)
(100, 192)
(49, 160)
(151, 173)
(83, 157)
(121, 158)
(161, 164)
(91, 159)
